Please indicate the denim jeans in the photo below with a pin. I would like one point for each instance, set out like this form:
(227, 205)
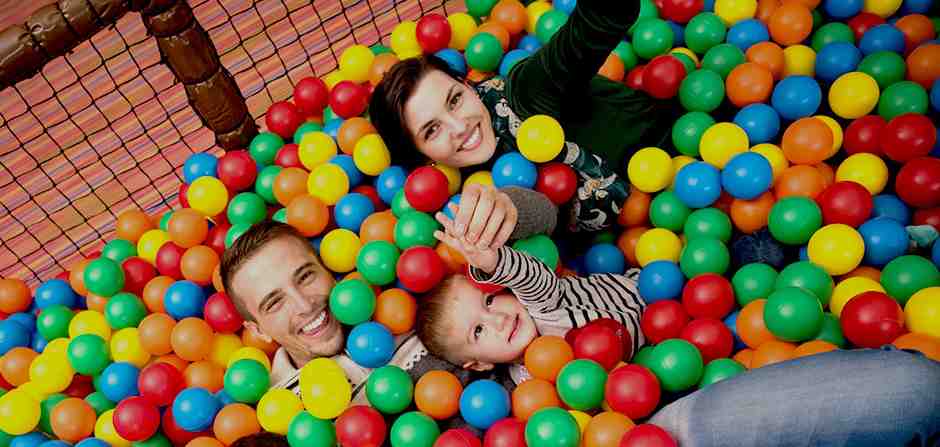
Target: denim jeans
(866, 397)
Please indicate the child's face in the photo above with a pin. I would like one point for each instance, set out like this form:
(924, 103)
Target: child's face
(486, 329)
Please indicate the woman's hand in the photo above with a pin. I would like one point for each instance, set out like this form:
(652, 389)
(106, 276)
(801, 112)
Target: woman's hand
(485, 217)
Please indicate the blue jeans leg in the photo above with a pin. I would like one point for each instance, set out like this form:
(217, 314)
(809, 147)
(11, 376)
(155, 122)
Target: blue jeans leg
(867, 397)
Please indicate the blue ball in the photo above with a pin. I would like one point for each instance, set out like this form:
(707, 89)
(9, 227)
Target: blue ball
(530, 43)
(331, 127)
(38, 342)
(678, 33)
(836, 59)
(512, 169)
(352, 209)
(184, 299)
(661, 280)
(349, 167)
(698, 184)
(484, 402)
(605, 258)
(92, 442)
(708, 6)
(890, 206)
(748, 32)
(31, 439)
(315, 242)
(731, 321)
(28, 320)
(224, 398)
(760, 122)
(885, 239)
(883, 37)
(804, 253)
(796, 97)
(565, 6)
(389, 182)
(843, 9)
(201, 164)
(511, 59)
(119, 381)
(12, 335)
(455, 199)
(55, 291)
(935, 95)
(935, 253)
(55, 443)
(747, 175)
(371, 344)
(454, 60)
(194, 409)
(914, 7)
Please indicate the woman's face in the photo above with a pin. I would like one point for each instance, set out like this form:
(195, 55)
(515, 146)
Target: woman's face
(448, 122)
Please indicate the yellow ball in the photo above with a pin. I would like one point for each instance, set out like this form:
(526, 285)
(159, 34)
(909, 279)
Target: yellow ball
(58, 348)
(333, 78)
(126, 347)
(773, 154)
(721, 142)
(315, 148)
(657, 244)
(276, 409)
(479, 177)
(207, 195)
(50, 373)
(540, 138)
(799, 60)
(882, 8)
(853, 95)
(328, 182)
(650, 169)
(535, 11)
(34, 391)
(734, 11)
(405, 40)
(866, 169)
(252, 353)
(691, 54)
(89, 322)
(453, 177)
(339, 249)
(222, 348)
(679, 162)
(324, 388)
(581, 418)
(836, 133)
(371, 156)
(462, 28)
(837, 248)
(922, 312)
(19, 412)
(105, 431)
(849, 288)
(356, 62)
(149, 243)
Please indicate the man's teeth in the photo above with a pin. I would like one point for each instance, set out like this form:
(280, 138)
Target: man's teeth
(315, 324)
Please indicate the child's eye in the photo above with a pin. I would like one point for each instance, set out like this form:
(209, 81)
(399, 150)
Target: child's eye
(477, 331)
(489, 300)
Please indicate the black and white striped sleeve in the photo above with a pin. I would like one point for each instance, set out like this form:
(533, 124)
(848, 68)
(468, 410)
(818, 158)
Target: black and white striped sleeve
(587, 298)
(533, 283)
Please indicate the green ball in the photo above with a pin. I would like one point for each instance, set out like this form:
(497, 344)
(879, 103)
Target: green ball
(793, 314)
(708, 223)
(687, 61)
(626, 54)
(832, 32)
(304, 129)
(307, 430)
(246, 381)
(752, 282)
(886, 67)
(652, 37)
(604, 237)
(157, 440)
(53, 322)
(352, 302)
(264, 146)
(581, 384)
(648, 10)
(247, 208)
(46, 407)
(677, 364)
(378, 49)
(722, 58)
(279, 216)
(540, 247)
(329, 115)
(415, 228)
(414, 429)
(480, 8)
(704, 31)
(793, 220)
(400, 204)
(905, 275)
(104, 277)
(701, 91)
(552, 427)
(667, 211)
(89, 354)
(644, 357)
(124, 310)
(5, 438)
(688, 129)
(99, 402)
(902, 97)
(807, 276)
(818, 19)
(549, 24)
(831, 330)
(165, 220)
(236, 231)
(376, 262)
(720, 369)
(264, 183)
(704, 255)
(484, 52)
(389, 389)
(118, 250)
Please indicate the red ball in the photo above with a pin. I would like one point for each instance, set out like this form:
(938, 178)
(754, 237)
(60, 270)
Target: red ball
(908, 136)
(215, 239)
(662, 76)
(311, 95)
(872, 319)
(221, 313)
(708, 296)
(159, 383)
(681, 11)
(599, 343)
(373, 195)
(349, 99)
(864, 135)
(174, 433)
(509, 432)
(360, 426)
(283, 118)
(433, 33)
(80, 387)
(136, 419)
(647, 435)
(930, 216)
(137, 273)
(864, 22)
(663, 320)
(635, 77)
(168, 260)
(426, 189)
(618, 329)
(557, 181)
(288, 157)
(918, 182)
(712, 338)
(420, 269)
(63, 275)
(457, 437)
(237, 170)
(184, 202)
(845, 202)
(484, 287)
(632, 390)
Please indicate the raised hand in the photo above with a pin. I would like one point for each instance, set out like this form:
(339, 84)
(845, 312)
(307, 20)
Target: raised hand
(486, 216)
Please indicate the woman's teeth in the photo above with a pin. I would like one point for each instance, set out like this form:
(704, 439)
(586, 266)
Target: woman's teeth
(473, 140)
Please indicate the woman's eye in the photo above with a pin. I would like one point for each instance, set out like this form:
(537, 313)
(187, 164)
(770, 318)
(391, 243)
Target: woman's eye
(477, 331)
(454, 100)
(432, 131)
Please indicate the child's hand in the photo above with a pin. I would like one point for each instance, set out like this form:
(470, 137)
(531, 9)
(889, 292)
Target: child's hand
(485, 216)
(481, 256)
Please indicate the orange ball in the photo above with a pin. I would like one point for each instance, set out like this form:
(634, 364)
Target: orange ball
(531, 396)
(77, 277)
(916, 28)
(381, 65)
(235, 421)
(765, 9)
(636, 209)
(308, 214)
(498, 31)
(173, 359)
(251, 338)
(187, 227)
(396, 309)
(437, 394)
(131, 224)
(14, 295)
(511, 15)
(749, 83)
(807, 141)
(773, 351)
(768, 55)
(14, 365)
(923, 65)
(154, 333)
(813, 347)
(800, 180)
(378, 227)
(750, 324)
(744, 357)
(828, 175)
(153, 292)
(923, 343)
(351, 131)
(96, 303)
(290, 183)
(198, 263)
(751, 215)
(475, 75)
(453, 260)
(191, 339)
(546, 356)
(809, 4)
(627, 242)
(204, 441)
(865, 271)
(204, 374)
(72, 419)
(606, 429)
(613, 68)
(217, 279)
(791, 23)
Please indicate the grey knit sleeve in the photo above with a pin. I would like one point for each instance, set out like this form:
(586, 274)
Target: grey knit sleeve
(536, 213)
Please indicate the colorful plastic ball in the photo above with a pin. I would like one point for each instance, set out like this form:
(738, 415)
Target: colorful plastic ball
(713, 339)
(885, 239)
(184, 299)
(846, 203)
(311, 95)
(246, 381)
(872, 319)
(721, 142)
(20, 411)
(760, 122)
(371, 345)
(882, 38)
(922, 312)
(704, 255)
(701, 91)
(793, 314)
(647, 435)
(305, 429)
(650, 169)
(922, 61)
(557, 181)
(902, 97)
(419, 268)
(512, 169)
(918, 182)
(426, 189)
(118, 381)
(389, 389)
(360, 425)
(807, 276)
(283, 118)
(793, 220)
(746, 33)
(352, 302)
(723, 59)
(415, 228)
(581, 384)
(652, 37)
(830, 33)
(200, 164)
(796, 97)
(885, 67)
(677, 364)
(799, 60)
(891, 207)
(836, 59)
(668, 211)
(339, 250)
(53, 322)
(790, 23)
(264, 146)
(160, 382)
(732, 12)
(698, 184)
(484, 52)
(89, 322)
(906, 275)
(194, 409)
(865, 169)
(688, 129)
(747, 176)
(853, 95)
(352, 210)
(553, 427)
(708, 296)
(605, 258)
(55, 291)
(663, 76)
(206, 195)
(908, 136)
(484, 402)
(704, 31)
(279, 406)
(753, 281)
(136, 419)
(840, 10)
(838, 248)
(657, 244)
(540, 138)
(660, 280)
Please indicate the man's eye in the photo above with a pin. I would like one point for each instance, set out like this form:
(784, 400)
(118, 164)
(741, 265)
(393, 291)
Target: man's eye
(274, 304)
(477, 331)
(489, 300)
(305, 277)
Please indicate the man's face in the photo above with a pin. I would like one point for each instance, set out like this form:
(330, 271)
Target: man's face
(286, 289)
